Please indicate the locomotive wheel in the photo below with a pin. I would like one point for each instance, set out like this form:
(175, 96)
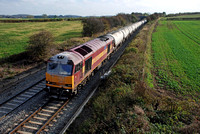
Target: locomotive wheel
(75, 92)
(80, 86)
(92, 74)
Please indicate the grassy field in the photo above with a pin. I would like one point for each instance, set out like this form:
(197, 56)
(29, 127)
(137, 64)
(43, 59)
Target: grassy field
(187, 16)
(190, 16)
(14, 36)
(189, 29)
(176, 55)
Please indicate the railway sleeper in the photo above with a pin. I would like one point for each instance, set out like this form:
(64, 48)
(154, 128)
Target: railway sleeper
(18, 101)
(30, 127)
(46, 110)
(13, 104)
(34, 122)
(7, 108)
(31, 93)
(23, 132)
(39, 118)
(21, 98)
(52, 107)
(54, 104)
(25, 95)
(48, 115)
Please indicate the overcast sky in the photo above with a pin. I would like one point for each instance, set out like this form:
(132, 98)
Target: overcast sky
(96, 7)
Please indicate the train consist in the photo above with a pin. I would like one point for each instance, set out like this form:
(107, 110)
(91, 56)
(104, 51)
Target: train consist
(68, 71)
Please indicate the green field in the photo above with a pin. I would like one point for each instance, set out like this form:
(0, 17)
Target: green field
(187, 16)
(176, 55)
(14, 36)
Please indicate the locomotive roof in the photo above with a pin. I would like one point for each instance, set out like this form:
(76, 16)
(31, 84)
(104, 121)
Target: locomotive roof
(64, 57)
(88, 48)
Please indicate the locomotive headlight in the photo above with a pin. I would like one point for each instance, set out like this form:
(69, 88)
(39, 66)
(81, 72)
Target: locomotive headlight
(68, 85)
(47, 82)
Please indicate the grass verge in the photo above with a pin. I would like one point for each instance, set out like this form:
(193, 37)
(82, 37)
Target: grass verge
(148, 65)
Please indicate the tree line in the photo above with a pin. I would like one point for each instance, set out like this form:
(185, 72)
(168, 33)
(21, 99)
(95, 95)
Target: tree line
(93, 25)
(155, 16)
(38, 20)
(179, 14)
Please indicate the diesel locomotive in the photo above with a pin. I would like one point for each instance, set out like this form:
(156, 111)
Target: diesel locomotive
(68, 71)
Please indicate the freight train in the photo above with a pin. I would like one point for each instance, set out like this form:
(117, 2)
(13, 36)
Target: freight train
(68, 71)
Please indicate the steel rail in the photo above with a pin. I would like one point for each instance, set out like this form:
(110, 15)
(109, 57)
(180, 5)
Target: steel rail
(12, 98)
(22, 92)
(52, 117)
(24, 121)
(35, 113)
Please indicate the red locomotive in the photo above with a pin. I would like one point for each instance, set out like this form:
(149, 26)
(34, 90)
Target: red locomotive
(68, 71)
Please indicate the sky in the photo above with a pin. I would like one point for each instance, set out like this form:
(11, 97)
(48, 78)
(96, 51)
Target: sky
(95, 7)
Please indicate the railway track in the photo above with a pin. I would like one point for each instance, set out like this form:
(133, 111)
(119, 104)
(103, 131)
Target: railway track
(38, 120)
(16, 101)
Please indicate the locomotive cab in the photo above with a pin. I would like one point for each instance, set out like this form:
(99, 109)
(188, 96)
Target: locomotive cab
(59, 75)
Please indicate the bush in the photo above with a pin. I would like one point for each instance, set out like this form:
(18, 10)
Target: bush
(92, 26)
(40, 45)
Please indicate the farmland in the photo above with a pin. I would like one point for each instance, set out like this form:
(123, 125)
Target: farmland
(190, 16)
(187, 16)
(176, 56)
(14, 36)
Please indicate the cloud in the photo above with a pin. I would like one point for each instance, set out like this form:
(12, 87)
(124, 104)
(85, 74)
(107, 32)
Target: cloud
(95, 7)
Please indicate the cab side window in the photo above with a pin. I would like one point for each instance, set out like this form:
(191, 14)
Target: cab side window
(88, 65)
(108, 49)
(78, 67)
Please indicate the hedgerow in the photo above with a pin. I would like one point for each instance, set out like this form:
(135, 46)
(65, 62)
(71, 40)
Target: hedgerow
(95, 25)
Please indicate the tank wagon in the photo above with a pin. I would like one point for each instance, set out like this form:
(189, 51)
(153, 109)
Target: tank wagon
(68, 71)
(118, 37)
